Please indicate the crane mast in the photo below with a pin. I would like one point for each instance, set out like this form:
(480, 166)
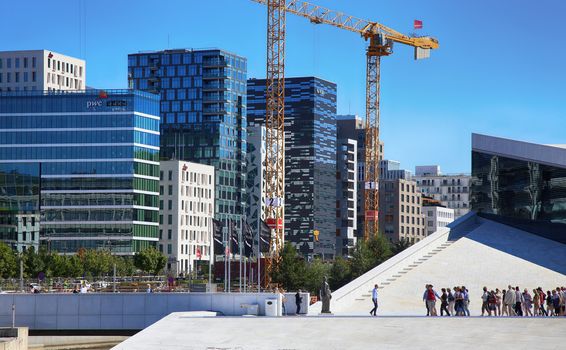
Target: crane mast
(274, 128)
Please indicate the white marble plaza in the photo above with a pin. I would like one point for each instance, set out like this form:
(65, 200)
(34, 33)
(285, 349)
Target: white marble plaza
(181, 331)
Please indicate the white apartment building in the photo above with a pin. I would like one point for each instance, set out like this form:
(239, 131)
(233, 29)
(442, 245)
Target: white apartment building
(186, 210)
(346, 196)
(40, 70)
(436, 217)
(453, 190)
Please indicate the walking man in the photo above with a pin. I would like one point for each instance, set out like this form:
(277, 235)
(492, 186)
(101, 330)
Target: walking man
(466, 296)
(430, 300)
(484, 297)
(374, 299)
(518, 302)
(509, 301)
(298, 301)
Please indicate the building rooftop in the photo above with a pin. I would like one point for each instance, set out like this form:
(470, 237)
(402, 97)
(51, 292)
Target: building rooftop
(554, 155)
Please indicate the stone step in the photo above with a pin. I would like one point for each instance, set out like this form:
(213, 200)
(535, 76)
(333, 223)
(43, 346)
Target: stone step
(384, 284)
(366, 295)
(360, 299)
(396, 276)
(413, 265)
(403, 272)
(390, 279)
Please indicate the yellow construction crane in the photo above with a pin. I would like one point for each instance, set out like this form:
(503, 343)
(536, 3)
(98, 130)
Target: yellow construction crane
(381, 39)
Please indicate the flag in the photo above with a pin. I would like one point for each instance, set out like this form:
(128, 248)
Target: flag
(417, 24)
(198, 254)
(233, 239)
(218, 244)
(264, 237)
(248, 240)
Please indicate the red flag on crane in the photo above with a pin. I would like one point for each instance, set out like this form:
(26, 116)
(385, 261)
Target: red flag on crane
(417, 24)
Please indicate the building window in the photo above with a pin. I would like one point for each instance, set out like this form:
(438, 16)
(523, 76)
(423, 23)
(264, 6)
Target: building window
(33, 76)
(169, 249)
(17, 62)
(170, 190)
(170, 175)
(169, 234)
(170, 205)
(170, 219)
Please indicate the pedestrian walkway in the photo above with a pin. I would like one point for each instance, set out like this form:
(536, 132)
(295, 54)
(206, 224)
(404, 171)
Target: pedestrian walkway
(473, 252)
(178, 331)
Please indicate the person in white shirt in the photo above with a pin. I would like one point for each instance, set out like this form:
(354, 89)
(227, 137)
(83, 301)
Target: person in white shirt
(374, 299)
(509, 301)
(84, 288)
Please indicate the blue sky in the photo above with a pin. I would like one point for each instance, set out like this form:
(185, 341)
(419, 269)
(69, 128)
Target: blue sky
(499, 70)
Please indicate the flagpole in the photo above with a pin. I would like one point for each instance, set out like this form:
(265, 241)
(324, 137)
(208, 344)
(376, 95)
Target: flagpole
(258, 257)
(210, 255)
(240, 249)
(230, 258)
(225, 260)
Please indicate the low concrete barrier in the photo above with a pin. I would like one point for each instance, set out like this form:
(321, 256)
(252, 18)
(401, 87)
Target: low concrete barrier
(14, 338)
(123, 311)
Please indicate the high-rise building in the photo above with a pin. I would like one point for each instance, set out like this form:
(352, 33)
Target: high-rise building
(186, 210)
(79, 169)
(400, 211)
(256, 176)
(203, 115)
(310, 160)
(353, 127)
(452, 190)
(346, 195)
(40, 70)
(520, 184)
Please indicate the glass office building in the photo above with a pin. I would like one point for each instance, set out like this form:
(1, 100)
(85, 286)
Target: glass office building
(310, 160)
(79, 169)
(520, 184)
(203, 114)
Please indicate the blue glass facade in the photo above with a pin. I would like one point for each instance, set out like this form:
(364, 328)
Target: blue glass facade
(79, 169)
(203, 113)
(310, 159)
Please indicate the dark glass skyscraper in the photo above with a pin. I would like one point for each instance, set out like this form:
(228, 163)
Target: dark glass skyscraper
(310, 160)
(520, 184)
(203, 114)
(79, 170)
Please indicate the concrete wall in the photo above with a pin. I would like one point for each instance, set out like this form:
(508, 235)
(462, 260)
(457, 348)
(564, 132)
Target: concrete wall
(14, 338)
(130, 311)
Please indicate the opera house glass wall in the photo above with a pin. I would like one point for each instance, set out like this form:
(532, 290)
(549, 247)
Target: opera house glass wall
(79, 170)
(520, 184)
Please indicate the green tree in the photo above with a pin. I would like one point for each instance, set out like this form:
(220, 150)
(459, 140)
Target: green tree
(150, 260)
(74, 266)
(97, 262)
(124, 265)
(380, 248)
(291, 270)
(400, 245)
(340, 273)
(8, 261)
(368, 254)
(362, 259)
(33, 263)
(316, 271)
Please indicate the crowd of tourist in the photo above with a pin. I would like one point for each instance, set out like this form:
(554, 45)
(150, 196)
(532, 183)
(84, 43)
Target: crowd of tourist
(505, 302)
